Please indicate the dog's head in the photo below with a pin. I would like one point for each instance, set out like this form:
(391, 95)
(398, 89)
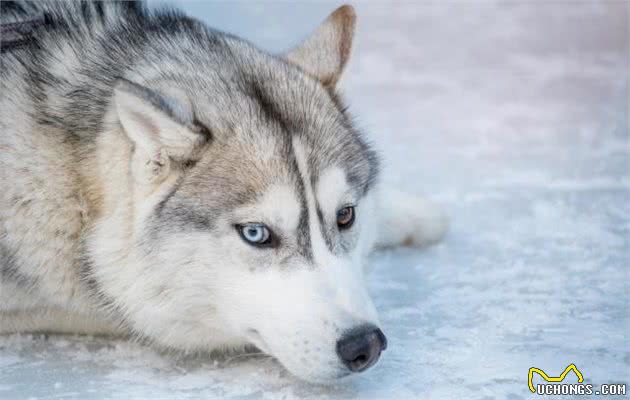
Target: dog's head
(250, 206)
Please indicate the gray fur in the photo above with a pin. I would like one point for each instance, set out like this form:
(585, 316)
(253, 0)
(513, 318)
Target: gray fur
(262, 93)
(103, 221)
(67, 64)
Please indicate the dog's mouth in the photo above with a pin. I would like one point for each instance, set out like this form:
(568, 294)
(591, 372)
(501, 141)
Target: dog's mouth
(331, 374)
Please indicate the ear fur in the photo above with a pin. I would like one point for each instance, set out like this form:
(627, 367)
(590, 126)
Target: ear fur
(157, 123)
(326, 51)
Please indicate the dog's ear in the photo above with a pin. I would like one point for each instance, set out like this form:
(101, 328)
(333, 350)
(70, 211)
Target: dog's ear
(325, 53)
(155, 121)
(161, 126)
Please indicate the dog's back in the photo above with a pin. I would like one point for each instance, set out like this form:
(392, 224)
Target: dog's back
(42, 209)
(67, 55)
(60, 61)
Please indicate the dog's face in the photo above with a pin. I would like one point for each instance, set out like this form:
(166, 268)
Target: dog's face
(253, 209)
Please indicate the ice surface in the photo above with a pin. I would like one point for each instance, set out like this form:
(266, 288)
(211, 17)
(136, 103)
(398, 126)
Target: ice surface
(512, 115)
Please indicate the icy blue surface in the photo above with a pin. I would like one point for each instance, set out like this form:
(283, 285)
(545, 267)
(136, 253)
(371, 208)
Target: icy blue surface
(515, 117)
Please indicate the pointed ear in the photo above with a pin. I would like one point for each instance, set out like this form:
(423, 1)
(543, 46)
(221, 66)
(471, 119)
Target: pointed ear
(159, 125)
(325, 53)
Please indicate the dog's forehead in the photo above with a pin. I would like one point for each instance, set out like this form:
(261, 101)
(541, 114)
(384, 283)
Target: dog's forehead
(255, 110)
(271, 102)
(279, 205)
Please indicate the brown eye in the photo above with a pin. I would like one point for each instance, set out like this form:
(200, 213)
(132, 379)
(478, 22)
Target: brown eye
(345, 217)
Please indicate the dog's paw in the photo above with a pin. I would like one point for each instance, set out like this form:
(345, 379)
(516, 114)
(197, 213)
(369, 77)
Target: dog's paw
(410, 221)
(427, 223)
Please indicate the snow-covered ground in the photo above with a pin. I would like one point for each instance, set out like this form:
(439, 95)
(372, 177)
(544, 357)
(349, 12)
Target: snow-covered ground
(515, 116)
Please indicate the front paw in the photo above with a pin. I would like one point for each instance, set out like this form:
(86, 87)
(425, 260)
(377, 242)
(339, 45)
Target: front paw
(413, 221)
(427, 223)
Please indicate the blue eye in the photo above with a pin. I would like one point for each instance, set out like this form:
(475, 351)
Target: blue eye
(255, 234)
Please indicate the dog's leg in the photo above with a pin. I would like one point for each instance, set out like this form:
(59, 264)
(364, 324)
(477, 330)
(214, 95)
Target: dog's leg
(406, 220)
(55, 320)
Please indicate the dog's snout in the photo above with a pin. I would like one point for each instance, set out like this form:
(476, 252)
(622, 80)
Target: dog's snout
(361, 347)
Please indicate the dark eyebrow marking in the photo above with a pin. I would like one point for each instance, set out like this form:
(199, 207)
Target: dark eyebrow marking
(269, 109)
(322, 227)
(305, 247)
(303, 234)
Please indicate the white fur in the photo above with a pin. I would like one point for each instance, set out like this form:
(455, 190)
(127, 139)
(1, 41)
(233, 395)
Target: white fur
(190, 289)
(218, 302)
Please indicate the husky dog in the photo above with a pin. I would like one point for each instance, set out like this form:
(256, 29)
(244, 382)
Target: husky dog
(166, 181)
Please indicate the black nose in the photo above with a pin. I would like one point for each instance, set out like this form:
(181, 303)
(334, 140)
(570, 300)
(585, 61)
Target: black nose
(360, 347)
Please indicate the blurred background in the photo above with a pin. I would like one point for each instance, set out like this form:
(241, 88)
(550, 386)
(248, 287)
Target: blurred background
(514, 116)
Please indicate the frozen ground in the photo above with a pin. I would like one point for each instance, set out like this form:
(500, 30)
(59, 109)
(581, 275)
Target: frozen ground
(515, 117)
